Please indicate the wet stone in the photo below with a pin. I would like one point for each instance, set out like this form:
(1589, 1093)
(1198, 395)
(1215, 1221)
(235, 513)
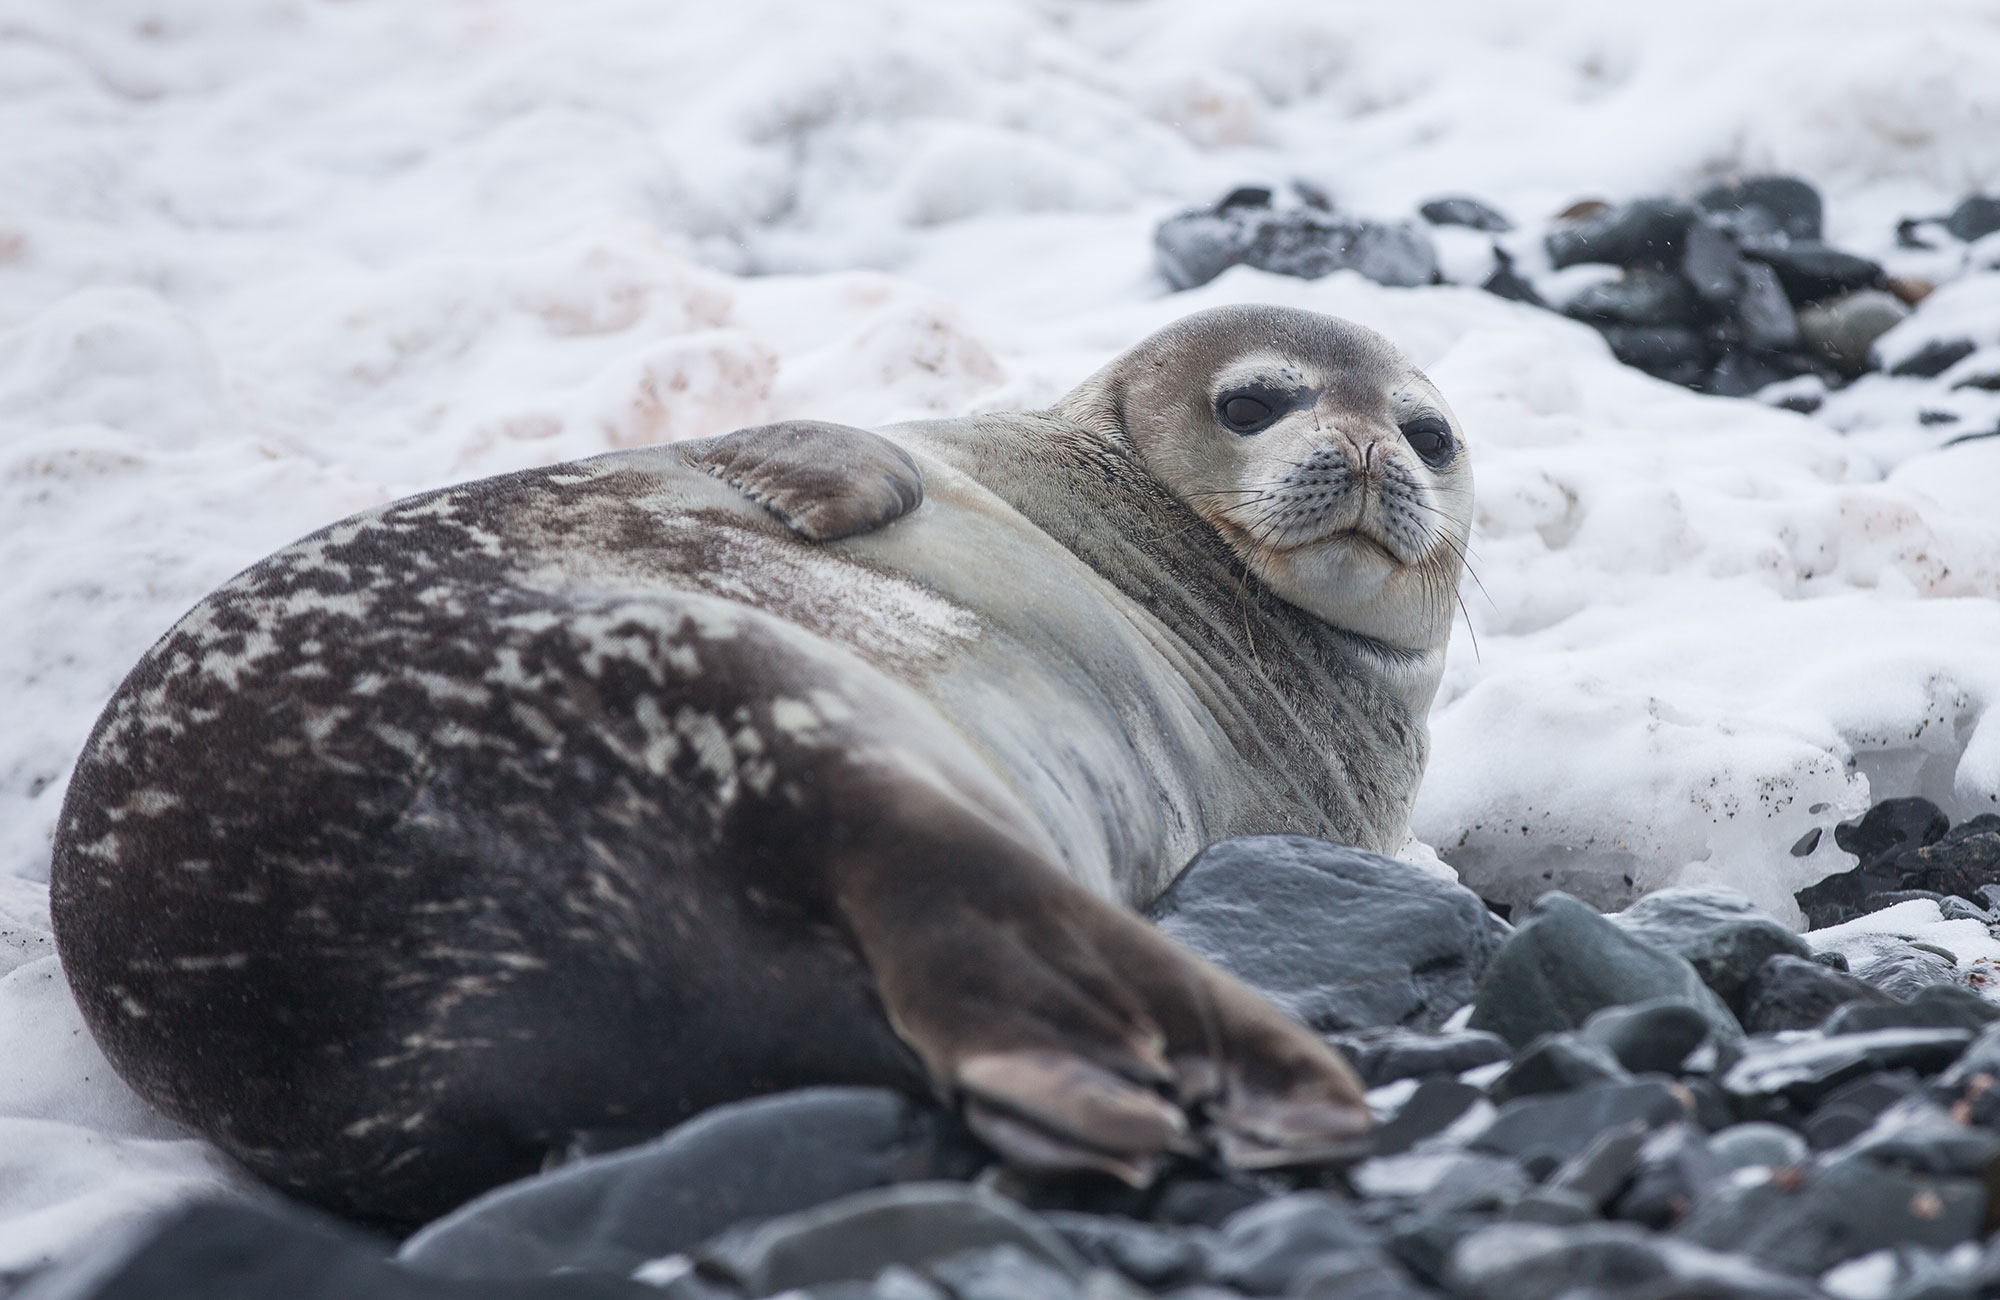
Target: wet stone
(1898, 967)
(1263, 1250)
(1647, 232)
(1543, 1132)
(750, 1160)
(1506, 282)
(1936, 1006)
(1813, 272)
(1962, 863)
(1340, 938)
(1673, 1170)
(1385, 1055)
(1361, 1274)
(1440, 1181)
(1601, 1170)
(1711, 263)
(1003, 1272)
(1783, 204)
(1974, 218)
(855, 1238)
(1793, 993)
(1435, 1106)
(1739, 373)
(1842, 331)
(1933, 358)
(1457, 210)
(1559, 1063)
(1649, 1037)
(1720, 932)
(1150, 1255)
(1566, 961)
(1531, 1262)
(1676, 353)
(1805, 1072)
(239, 1251)
(1852, 1109)
(1753, 1144)
(1640, 297)
(1764, 314)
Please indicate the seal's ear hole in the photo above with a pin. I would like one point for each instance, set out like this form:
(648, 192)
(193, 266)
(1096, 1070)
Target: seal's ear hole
(1247, 410)
(1430, 437)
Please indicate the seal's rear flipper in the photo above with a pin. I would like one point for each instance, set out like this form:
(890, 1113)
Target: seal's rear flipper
(826, 481)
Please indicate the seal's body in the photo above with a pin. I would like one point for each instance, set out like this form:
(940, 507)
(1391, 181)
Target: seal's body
(594, 795)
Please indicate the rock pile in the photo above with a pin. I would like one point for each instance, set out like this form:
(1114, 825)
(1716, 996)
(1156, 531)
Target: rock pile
(1731, 292)
(1683, 1099)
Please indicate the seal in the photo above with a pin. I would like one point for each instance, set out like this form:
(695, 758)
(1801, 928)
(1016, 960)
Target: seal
(594, 795)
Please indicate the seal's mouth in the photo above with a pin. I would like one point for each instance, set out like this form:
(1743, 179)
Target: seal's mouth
(1359, 538)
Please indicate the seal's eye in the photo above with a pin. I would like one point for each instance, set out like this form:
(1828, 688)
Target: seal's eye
(1243, 413)
(1430, 437)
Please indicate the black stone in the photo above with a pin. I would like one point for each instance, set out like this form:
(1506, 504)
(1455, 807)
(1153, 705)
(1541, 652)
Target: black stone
(1646, 232)
(1756, 1143)
(1711, 263)
(1567, 961)
(1781, 203)
(750, 1160)
(1558, 1063)
(1203, 1202)
(1674, 1169)
(1153, 1256)
(1792, 993)
(1764, 314)
(1360, 1274)
(1677, 354)
(1601, 1170)
(1974, 218)
(1987, 382)
(1804, 1073)
(856, 1237)
(1738, 373)
(1902, 968)
(1245, 196)
(1385, 1055)
(1929, 418)
(1936, 1006)
(1193, 248)
(1933, 358)
(1878, 837)
(1839, 1211)
(1851, 1109)
(1812, 272)
(1602, 1260)
(1719, 931)
(1458, 210)
(1265, 1249)
(1640, 297)
(219, 1250)
(1963, 863)
(1649, 1037)
(1435, 1106)
(1340, 938)
(1506, 282)
(1003, 1272)
(1543, 1132)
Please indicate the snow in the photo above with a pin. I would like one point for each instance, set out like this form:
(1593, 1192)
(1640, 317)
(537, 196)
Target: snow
(267, 262)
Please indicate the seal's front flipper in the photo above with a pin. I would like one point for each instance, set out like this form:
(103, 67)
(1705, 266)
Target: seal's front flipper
(826, 481)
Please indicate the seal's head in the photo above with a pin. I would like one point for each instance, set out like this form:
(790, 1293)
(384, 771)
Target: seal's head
(1326, 460)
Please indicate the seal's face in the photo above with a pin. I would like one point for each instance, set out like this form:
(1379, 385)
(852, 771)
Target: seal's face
(1325, 459)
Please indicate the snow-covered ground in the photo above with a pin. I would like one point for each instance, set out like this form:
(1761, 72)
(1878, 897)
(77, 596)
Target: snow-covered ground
(266, 262)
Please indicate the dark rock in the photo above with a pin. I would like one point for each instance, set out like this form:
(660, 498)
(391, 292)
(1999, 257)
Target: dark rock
(1916, 1134)
(1738, 373)
(1807, 842)
(1764, 314)
(1649, 1037)
(1838, 1211)
(1567, 961)
(1813, 272)
(1557, 1206)
(1435, 1106)
(1150, 1255)
(1929, 418)
(1601, 1170)
(1851, 1109)
(1673, 1170)
(1245, 196)
(1398, 254)
(1843, 330)
(1974, 218)
(1193, 248)
(1982, 1057)
(1441, 1182)
(1878, 837)
(750, 1160)
(1719, 931)
(1385, 1055)
(1901, 968)
(1936, 1006)
(1711, 263)
(1964, 862)
(1543, 1132)
(1987, 381)
(1362, 1274)
(858, 1236)
(1790, 993)
(1003, 1272)
(1558, 1063)
(1639, 297)
(1677, 354)
(1458, 210)
(1339, 938)
(1805, 1072)
(1781, 203)
(1933, 358)
(1506, 282)
(1743, 1146)
(1203, 1202)
(1265, 1249)
(229, 1250)
(1646, 232)
(1531, 1262)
